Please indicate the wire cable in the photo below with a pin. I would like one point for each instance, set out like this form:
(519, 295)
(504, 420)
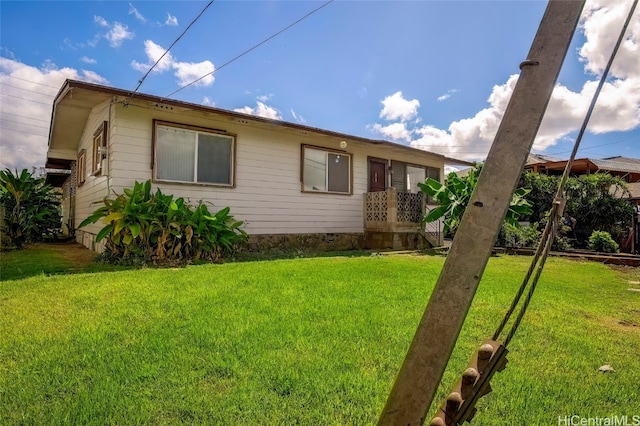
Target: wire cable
(33, 82)
(167, 51)
(557, 208)
(250, 49)
(25, 99)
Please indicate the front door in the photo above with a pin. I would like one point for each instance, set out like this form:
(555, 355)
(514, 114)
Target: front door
(377, 175)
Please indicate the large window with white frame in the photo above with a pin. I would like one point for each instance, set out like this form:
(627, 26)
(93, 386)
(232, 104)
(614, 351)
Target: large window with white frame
(192, 154)
(325, 170)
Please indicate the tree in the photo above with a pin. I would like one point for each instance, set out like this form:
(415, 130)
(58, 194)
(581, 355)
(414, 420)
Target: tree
(453, 197)
(595, 201)
(32, 208)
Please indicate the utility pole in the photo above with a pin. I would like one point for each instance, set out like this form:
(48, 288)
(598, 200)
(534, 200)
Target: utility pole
(429, 353)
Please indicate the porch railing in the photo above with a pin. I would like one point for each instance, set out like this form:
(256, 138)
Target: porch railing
(393, 211)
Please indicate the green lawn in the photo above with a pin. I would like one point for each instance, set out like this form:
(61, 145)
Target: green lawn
(306, 341)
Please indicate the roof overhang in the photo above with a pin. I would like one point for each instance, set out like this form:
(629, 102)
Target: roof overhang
(71, 108)
(76, 99)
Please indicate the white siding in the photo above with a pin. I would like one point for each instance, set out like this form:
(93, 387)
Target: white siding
(95, 187)
(267, 193)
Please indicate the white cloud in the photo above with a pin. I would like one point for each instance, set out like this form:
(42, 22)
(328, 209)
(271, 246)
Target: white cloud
(447, 95)
(133, 11)
(396, 107)
(265, 98)
(261, 110)
(601, 23)
(154, 52)
(300, 119)
(116, 32)
(207, 101)
(26, 95)
(395, 131)
(171, 21)
(88, 60)
(617, 109)
(185, 72)
(100, 21)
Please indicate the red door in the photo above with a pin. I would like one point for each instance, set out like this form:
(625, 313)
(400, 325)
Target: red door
(377, 175)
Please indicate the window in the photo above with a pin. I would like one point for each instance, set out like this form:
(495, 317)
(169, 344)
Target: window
(81, 167)
(99, 147)
(189, 154)
(407, 176)
(414, 176)
(325, 170)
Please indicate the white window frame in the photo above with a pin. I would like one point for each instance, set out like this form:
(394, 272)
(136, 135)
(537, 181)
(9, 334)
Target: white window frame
(327, 151)
(196, 130)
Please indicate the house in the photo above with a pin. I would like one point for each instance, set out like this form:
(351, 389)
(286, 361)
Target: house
(294, 186)
(626, 168)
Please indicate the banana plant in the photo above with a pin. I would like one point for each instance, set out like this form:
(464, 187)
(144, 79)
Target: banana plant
(160, 228)
(453, 197)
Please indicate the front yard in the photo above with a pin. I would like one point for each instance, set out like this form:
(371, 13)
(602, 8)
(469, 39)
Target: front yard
(306, 341)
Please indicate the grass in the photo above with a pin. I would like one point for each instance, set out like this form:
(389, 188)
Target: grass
(49, 259)
(15, 264)
(306, 341)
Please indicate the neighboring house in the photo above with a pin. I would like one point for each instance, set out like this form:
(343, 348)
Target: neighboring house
(294, 186)
(626, 168)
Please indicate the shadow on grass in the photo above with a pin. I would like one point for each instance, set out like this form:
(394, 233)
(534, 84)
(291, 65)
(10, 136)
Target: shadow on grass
(71, 258)
(50, 259)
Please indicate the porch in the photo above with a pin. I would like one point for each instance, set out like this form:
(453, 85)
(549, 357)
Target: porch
(393, 220)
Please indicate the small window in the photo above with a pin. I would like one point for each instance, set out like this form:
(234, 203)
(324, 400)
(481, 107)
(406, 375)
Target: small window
(186, 154)
(326, 171)
(99, 148)
(415, 175)
(81, 167)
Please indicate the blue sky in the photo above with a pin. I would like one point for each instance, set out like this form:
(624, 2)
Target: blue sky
(433, 74)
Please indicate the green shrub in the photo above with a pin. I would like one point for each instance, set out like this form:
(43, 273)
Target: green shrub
(32, 208)
(142, 226)
(519, 236)
(601, 241)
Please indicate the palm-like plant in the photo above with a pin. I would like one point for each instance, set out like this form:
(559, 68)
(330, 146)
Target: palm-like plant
(453, 197)
(32, 207)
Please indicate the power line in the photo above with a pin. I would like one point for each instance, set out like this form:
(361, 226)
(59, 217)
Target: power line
(24, 116)
(24, 124)
(31, 81)
(250, 49)
(22, 151)
(25, 99)
(27, 90)
(167, 51)
(22, 132)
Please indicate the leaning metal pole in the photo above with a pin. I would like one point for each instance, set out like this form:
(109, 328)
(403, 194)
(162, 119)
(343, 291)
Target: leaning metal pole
(429, 353)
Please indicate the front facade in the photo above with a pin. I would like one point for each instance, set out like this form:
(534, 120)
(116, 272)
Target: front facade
(292, 185)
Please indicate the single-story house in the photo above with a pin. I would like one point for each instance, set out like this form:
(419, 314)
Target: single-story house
(294, 186)
(628, 169)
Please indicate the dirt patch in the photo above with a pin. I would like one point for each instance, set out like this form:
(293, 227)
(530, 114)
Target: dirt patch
(78, 255)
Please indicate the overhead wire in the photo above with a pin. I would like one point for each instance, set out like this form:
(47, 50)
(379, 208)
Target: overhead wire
(31, 81)
(557, 209)
(27, 90)
(251, 48)
(22, 131)
(167, 51)
(24, 116)
(24, 124)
